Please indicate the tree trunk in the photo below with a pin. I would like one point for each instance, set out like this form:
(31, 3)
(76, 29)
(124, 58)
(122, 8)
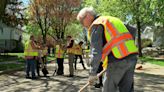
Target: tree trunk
(139, 37)
(3, 5)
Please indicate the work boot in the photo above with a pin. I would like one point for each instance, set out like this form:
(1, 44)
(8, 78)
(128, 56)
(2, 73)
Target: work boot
(98, 85)
(34, 78)
(70, 75)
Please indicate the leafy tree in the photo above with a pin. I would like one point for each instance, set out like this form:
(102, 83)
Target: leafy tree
(53, 16)
(12, 13)
(41, 15)
(64, 12)
(3, 5)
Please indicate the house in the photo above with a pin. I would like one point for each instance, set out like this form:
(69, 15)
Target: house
(10, 38)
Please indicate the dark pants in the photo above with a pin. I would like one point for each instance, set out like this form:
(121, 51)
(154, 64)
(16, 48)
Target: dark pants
(44, 60)
(38, 67)
(30, 67)
(120, 75)
(81, 61)
(60, 70)
(99, 70)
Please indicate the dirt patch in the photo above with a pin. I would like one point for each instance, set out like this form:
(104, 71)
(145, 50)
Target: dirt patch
(150, 69)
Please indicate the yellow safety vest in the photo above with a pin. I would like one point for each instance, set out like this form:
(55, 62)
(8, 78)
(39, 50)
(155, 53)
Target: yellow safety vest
(71, 50)
(29, 51)
(119, 41)
(59, 53)
(78, 50)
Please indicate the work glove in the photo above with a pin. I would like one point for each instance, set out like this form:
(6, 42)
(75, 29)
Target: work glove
(92, 79)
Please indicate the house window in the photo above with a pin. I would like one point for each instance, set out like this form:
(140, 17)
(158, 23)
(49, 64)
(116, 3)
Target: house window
(1, 30)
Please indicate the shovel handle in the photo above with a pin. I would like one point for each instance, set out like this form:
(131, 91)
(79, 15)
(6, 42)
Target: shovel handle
(87, 84)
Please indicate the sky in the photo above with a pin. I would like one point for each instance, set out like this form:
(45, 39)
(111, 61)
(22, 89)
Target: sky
(25, 2)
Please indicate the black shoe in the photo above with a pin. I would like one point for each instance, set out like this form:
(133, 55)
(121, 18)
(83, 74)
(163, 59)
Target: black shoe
(98, 85)
(70, 75)
(34, 78)
(60, 74)
(27, 77)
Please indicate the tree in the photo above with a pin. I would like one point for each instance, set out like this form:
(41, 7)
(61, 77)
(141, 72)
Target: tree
(142, 12)
(53, 16)
(13, 15)
(63, 12)
(41, 15)
(159, 12)
(3, 5)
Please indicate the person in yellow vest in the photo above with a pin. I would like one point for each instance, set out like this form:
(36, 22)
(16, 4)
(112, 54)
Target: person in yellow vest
(79, 53)
(112, 44)
(59, 54)
(70, 52)
(31, 54)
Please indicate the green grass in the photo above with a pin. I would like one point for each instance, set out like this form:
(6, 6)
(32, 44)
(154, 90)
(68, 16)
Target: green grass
(11, 57)
(49, 58)
(152, 61)
(10, 66)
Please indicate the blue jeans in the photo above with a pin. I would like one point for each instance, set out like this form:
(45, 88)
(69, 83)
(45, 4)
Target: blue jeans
(119, 75)
(30, 67)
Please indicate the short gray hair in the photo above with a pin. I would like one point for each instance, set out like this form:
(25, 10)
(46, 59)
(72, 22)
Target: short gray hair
(83, 12)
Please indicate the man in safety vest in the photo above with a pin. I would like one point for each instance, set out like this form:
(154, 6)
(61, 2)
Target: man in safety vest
(59, 54)
(71, 52)
(79, 53)
(31, 53)
(112, 44)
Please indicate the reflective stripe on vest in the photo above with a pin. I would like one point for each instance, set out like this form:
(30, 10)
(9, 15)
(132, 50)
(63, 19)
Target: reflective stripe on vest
(59, 52)
(119, 40)
(29, 51)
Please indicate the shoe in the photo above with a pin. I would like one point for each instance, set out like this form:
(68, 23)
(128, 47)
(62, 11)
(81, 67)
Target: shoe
(98, 85)
(60, 73)
(27, 77)
(70, 75)
(34, 78)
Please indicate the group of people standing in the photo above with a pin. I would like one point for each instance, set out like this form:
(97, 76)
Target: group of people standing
(73, 51)
(35, 56)
(34, 53)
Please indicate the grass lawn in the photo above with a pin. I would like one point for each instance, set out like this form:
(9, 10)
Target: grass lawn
(152, 61)
(11, 57)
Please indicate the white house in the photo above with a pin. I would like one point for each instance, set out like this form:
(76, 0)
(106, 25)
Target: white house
(9, 37)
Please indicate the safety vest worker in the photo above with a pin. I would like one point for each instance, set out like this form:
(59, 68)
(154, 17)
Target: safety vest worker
(119, 41)
(59, 53)
(71, 47)
(29, 52)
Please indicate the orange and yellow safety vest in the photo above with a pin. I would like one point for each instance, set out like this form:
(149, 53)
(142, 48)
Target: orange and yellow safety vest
(59, 53)
(119, 41)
